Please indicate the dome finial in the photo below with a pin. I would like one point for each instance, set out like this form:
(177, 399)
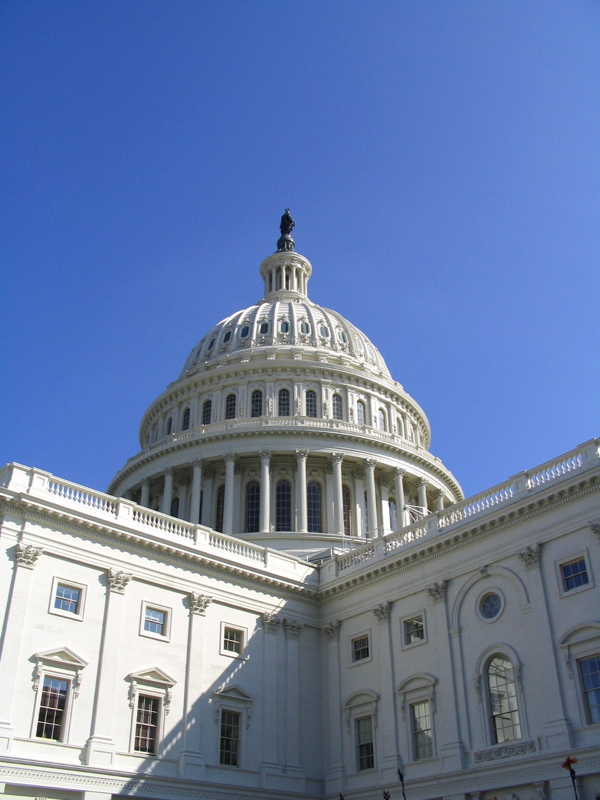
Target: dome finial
(286, 226)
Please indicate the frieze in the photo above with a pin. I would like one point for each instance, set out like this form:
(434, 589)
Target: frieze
(506, 751)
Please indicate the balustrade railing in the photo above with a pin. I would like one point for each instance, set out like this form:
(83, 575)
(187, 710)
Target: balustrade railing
(82, 496)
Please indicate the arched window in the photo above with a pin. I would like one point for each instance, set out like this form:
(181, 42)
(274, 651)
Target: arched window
(256, 403)
(169, 426)
(283, 404)
(230, 406)
(361, 412)
(283, 506)
(313, 500)
(381, 419)
(393, 513)
(504, 713)
(337, 408)
(252, 506)
(346, 504)
(175, 507)
(206, 412)
(186, 420)
(311, 403)
(219, 509)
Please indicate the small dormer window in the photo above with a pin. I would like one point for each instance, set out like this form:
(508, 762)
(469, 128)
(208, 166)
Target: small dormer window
(285, 327)
(359, 345)
(211, 344)
(264, 327)
(227, 337)
(342, 337)
(324, 331)
(304, 327)
(244, 332)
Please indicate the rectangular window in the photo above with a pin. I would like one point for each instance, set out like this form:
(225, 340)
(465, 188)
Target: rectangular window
(230, 738)
(589, 670)
(233, 640)
(360, 648)
(51, 715)
(574, 574)
(155, 621)
(146, 724)
(365, 754)
(420, 715)
(414, 630)
(67, 598)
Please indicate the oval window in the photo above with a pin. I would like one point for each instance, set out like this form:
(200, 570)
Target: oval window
(211, 344)
(227, 336)
(244, 332)
(264, 327)
(491, 605)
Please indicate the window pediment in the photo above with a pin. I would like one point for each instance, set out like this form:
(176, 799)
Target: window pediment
(153, 680)
(61, 656)
(233, 697)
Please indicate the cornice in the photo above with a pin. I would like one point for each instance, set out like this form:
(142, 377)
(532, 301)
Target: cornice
(110, 534)
(442, 545)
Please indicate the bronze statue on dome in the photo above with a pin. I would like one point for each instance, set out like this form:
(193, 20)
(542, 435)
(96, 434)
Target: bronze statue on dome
(286, 226)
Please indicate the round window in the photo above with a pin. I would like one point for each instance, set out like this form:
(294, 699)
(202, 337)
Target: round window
(490, 605)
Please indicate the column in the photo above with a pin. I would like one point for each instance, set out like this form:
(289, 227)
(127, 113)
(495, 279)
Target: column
(399, 487)
(438, 500)
(191, 760)
(100, 747)
(265, 493)
(208, 475)
(145, 498)
(422, 490)
(183, 487)
(10, 666)
(338, 504)
(196, 492)
(335, 775)
(271, 761)
(167, 492)
(292, 756)
(228, 500)
(382, 513)
(301, 456)
(371, 497)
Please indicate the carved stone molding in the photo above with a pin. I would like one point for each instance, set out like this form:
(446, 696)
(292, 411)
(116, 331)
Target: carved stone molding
(118, 580)
(437, 592)
(399, 471)
(229, 457)
(337, 458)
(332, 630)
(505, 751)
(209, 473)
(595, 526)
(301, 455)
(27, 555)
(531, 556)
(370, 463)
(292, 627)
(270, 622)
(199, 603)
(382, 611)
(265, 455)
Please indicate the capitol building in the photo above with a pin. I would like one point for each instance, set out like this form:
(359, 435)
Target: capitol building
(285, 594)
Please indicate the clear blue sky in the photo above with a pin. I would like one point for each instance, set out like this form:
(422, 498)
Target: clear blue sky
(442, 162)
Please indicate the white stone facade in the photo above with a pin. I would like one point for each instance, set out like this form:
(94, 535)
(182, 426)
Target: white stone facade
(362, 620)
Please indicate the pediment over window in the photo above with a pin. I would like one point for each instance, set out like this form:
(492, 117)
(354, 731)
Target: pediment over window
(62, 656)
(233, 697)
(418, 681)
(152, 675)
(360, 698)
(581, 633)
(362, 703)
(581, 640)
(417, 687)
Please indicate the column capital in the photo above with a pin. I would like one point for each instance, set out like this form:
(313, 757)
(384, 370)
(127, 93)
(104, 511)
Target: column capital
(332, 629)
(437, 592)
(531, 556)
(197, 463)
(301, 455)
(145, 482)
(292, 628)
(382, 611)
(337, 458)
(27, 555)
(199, 603)
(371, 463)
(399, 472)
(422, 482)
(265, 455)
(118, 580)
(229, 457)
(168, 471)
(270, 622)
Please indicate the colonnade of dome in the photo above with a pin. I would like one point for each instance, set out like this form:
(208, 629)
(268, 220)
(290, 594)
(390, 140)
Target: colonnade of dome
(286, 428)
